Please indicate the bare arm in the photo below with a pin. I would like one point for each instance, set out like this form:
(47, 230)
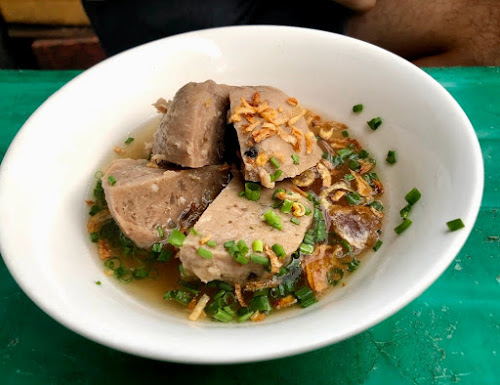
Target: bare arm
(357, 5)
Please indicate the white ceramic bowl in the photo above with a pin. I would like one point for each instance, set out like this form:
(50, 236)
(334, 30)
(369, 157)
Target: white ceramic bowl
(47, 171)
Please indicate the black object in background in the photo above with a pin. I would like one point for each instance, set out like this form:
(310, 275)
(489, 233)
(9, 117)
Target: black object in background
(122, 24)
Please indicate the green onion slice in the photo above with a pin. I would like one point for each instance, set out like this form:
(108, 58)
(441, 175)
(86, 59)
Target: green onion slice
(455, 224)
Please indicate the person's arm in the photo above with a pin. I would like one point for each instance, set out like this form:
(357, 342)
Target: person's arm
(357, 5)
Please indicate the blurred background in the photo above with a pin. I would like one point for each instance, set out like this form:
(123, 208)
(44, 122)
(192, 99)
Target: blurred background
(47, 34)
(58, 34)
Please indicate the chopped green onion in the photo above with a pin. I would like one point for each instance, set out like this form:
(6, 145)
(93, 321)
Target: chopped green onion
(377, 245)
(306, 249)
(129, 140)
(455, 224)
(194, 232)
(357, 108)
(345, 134)
(320, 233)
(252, 191)
(363, 154)
(391, 157)
(308, 211)
(182, 272)
(309, 237)
(223, 316)
(242, 246)
(287, 206)
(176, 238)
(229, 244)
(259, 259)
(344, 153)
(377, 205)
(180, 296)
(113, 263)
(241, 259)
(241, 194)
(295, 159)
(211, 244)
(98, 283)
(123, 274)
(405, 211)
(413, 196)
(353, 265)
(260, 303)
(165, 256)
(258, 246)
(94, 237)
(305, 296)
(353, 198)
(279, 250)
(346, 245)
(273, 219)
(274, 162)
(403, 226)
(276, 175)
(348, 177)
(295, 221)
(335, 275)
(111, 180)
(207, 254)
(189, 287)
(375, 123)
(353, 164)
(246, 313)
(160, 232)
(156, 247)
(141, 273)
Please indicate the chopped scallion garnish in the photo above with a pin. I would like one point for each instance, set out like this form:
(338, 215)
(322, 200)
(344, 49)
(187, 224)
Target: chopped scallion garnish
(223, 316)
(258, 246)
(413, 196)
(156, 247)
(160, 232)
(176, 238)
(279, 250)
(405, 211)
(274, 162)
(259, 259)
(306, 249)
(391, 157)
(111, 180)
(129, 140)
(353, 164)
(348, 177)
(260, 303)
(194, 232)
(273, 219)
(295, 159)
(276, 175)
(455, 224)
(277, 191)
(94, 237)
(345, 134)
(346, 245)
(377, 205)
(165, 256)
(287, 206)
(375, 123)
(252, 191)
(204, 253)
(377, 245)
(353, 198)
(403, 226)
(357, 108)
(211, 244)
(295, 221)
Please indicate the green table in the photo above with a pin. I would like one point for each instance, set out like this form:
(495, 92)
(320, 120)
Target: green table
(450, 334)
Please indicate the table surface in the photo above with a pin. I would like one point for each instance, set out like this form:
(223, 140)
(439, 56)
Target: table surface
(450, 334)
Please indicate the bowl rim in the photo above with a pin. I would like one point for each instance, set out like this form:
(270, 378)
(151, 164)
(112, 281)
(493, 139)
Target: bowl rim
(385, 312)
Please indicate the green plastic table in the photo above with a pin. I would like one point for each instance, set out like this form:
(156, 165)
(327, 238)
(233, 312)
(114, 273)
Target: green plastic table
(450, 334)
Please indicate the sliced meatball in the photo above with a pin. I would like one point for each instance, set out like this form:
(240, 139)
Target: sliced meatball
(144, 198)
(191, 133)
(358, 225)
(270, 124)
(234, 218)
